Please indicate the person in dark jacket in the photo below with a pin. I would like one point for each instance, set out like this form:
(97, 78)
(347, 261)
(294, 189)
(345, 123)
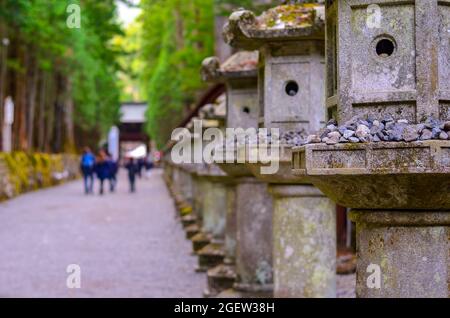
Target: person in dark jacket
(102, 169)
(112, 174)
(133, 169)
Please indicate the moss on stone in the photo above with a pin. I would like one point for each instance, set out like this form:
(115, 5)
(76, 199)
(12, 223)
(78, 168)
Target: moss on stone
(288, 16)
(21, 172)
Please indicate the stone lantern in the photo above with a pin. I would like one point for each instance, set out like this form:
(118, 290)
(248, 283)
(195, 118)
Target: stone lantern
(210, 195)
(387, 64)
(248, 244)
(290, 39)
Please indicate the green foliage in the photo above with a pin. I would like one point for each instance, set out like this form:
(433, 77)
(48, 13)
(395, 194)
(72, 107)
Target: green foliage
(130, 64)
(83, 56)
(21, 172)
(176, 36)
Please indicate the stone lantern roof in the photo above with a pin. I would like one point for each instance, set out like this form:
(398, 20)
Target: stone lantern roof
(283, 23)
(240, 65)
(214, 111)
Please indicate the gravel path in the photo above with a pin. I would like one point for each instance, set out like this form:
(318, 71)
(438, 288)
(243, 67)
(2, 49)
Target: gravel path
(127, 245)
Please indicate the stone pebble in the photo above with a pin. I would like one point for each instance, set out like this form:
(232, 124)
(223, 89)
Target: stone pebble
(359, 130)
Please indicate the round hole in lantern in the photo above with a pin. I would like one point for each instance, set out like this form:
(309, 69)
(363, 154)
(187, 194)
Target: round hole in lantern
(385, 47)
(246, 109)
(291, 88)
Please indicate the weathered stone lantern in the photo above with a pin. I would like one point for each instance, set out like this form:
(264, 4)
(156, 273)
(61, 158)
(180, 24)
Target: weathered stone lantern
(387, 63)
(290, 39)
(211, 196)
(248, 244)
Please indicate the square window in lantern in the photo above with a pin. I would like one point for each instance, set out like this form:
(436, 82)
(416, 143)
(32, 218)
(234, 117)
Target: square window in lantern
(243, 109)
(288, 97)
(382, 51)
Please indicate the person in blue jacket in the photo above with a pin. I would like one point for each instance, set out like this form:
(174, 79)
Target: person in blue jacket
(87, 165)
(102, 169)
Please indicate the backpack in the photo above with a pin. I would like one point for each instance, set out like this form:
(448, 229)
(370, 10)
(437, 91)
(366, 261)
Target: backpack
(87, 161)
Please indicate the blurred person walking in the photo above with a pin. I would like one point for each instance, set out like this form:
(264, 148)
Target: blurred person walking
(133, 170)
(87, 165)
(113, 168)
(102, 169)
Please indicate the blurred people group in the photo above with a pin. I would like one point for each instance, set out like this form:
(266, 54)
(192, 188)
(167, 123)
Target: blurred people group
(105, 168)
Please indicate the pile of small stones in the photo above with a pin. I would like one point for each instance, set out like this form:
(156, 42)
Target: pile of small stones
(293, 137)
(388, 129)
(290, 138)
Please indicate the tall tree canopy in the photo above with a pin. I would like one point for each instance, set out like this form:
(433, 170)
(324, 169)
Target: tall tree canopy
(177, 35)
(62, 79)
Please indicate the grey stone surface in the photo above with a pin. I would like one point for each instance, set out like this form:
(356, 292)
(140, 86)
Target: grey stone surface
(398, 71)
(304, 233)
(410, 83)
(128, 245)
(239, 73)
(291, 85)
(411, 250)
(292, 81)
(254, 234)
(384, 175)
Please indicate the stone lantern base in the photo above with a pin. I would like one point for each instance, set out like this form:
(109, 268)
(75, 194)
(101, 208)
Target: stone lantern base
(409, 248)
(304, 232)
(253, 234)
(210, 256)
(188, 220)
(199, 241)
(219, 279)
(192, 230)
(400, 198)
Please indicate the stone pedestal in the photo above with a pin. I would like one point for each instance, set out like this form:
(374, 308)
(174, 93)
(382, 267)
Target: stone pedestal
(239, 74)
(411, 250)
(401, 205)
(214, 207)
(304, 231)
(254, 238)
(223, 276)
(304, 224)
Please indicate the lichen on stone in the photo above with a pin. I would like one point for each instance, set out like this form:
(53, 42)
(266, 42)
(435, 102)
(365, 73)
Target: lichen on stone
(290, 16)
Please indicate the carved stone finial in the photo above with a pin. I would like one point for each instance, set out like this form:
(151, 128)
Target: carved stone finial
(210, 68)
(237, 24)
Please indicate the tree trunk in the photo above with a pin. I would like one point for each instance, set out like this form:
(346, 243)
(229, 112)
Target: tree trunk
(69, 143)
(3, 69)
(50, 114)
(20, 139)
(59, 114)
(33, 87)
(42, 110)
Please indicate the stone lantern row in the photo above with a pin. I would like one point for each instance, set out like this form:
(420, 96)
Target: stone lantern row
(276, 233)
